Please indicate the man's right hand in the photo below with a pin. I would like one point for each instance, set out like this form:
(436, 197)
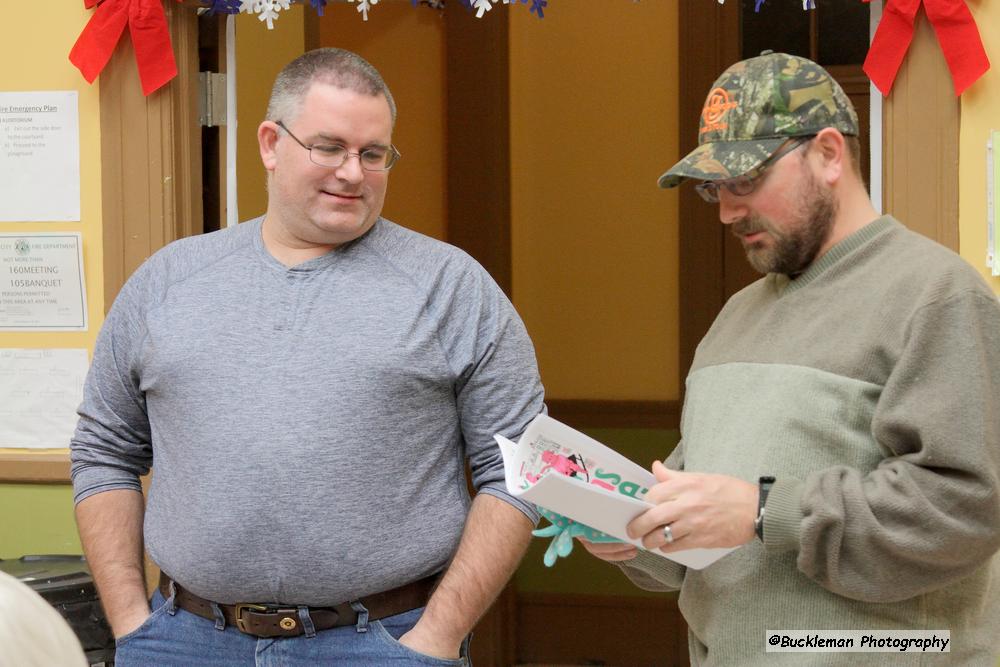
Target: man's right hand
(610, 551)
(129, 621)
(110, 526)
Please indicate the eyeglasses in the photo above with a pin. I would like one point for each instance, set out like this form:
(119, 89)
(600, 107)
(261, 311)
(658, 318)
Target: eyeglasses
(744, 184)
(374, 158)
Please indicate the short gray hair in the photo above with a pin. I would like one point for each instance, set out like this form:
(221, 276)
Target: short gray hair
(337, 67)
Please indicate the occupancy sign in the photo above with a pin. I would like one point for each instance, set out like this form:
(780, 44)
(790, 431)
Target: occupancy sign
(41, 282)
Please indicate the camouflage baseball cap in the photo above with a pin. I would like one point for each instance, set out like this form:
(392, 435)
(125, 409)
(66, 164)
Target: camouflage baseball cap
(754, 107)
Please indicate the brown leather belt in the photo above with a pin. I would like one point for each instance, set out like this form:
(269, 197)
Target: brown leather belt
(275, 620)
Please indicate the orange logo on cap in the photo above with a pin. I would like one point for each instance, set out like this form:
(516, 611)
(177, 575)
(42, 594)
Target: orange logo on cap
(716, 107)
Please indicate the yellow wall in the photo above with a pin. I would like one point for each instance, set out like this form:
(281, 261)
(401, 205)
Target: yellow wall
(39, 518)
(32, 68)
(260, 55)
(980, 114)
(593, 91)
(407, 46)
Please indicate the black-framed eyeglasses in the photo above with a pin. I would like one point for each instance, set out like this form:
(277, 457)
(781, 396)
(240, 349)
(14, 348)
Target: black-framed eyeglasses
(373, 158)
(744, 184)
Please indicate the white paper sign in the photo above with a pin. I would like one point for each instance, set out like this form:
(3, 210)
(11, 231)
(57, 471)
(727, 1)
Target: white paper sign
(39, 156)
(39, 393)
(41, 282)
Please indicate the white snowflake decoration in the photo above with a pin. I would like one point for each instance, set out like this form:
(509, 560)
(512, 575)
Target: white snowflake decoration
(266, 10)
(482, 6)
(364, 6)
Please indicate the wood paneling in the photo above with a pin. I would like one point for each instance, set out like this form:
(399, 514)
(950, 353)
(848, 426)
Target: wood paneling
(150, 155)
(555, 629)
(494, 637)
(615, 414)
(478, 207)
(46, 468)
(709, 43)
(920, 141)
(478, 139)
(857, 87)
(311, 31)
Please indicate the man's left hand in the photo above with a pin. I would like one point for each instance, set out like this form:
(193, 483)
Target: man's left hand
(429, 644)
(702, 510)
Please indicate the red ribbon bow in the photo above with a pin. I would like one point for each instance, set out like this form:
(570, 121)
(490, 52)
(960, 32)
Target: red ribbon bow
(147, 24)
(956, 31)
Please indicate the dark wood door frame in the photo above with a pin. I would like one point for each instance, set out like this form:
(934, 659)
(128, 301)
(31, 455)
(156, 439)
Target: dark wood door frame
(709, 42)
(478, 210)
(478, 144)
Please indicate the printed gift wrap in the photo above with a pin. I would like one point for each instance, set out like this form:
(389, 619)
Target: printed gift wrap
(583, 487)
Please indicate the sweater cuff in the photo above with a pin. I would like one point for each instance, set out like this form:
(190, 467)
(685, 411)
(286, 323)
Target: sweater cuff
(783, 516)
(653, 573)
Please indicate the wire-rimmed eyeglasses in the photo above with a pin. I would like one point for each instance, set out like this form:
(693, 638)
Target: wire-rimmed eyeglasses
(744, 184)
(373, 158)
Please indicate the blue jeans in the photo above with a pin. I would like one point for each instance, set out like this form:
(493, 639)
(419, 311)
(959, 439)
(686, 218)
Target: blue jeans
(172, 637)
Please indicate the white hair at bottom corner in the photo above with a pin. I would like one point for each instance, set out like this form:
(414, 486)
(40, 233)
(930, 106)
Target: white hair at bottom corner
(32, 633)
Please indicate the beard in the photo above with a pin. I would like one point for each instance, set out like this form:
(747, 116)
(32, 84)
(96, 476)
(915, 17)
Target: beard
(794, 248)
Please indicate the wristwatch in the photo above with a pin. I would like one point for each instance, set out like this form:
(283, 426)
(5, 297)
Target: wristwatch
(764, 485)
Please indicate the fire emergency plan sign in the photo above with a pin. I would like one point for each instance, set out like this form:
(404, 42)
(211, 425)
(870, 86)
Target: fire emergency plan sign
(39, 156)
(41, 282)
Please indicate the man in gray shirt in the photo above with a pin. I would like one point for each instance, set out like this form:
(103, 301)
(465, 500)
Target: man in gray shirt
(309, 386)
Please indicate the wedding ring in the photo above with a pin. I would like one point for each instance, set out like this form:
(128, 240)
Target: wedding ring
(668, 534)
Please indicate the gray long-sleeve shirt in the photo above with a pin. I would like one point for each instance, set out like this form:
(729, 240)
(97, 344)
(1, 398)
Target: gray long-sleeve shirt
(308, 425)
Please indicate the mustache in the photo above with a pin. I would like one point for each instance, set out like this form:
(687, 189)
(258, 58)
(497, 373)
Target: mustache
(750, 225)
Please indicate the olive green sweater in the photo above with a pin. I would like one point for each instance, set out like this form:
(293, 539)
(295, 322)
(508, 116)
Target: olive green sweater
(870, 387)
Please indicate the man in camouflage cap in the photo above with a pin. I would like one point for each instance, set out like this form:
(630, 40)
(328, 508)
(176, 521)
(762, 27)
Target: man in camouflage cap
(757, 112)
(841, 415)
(754, 108)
